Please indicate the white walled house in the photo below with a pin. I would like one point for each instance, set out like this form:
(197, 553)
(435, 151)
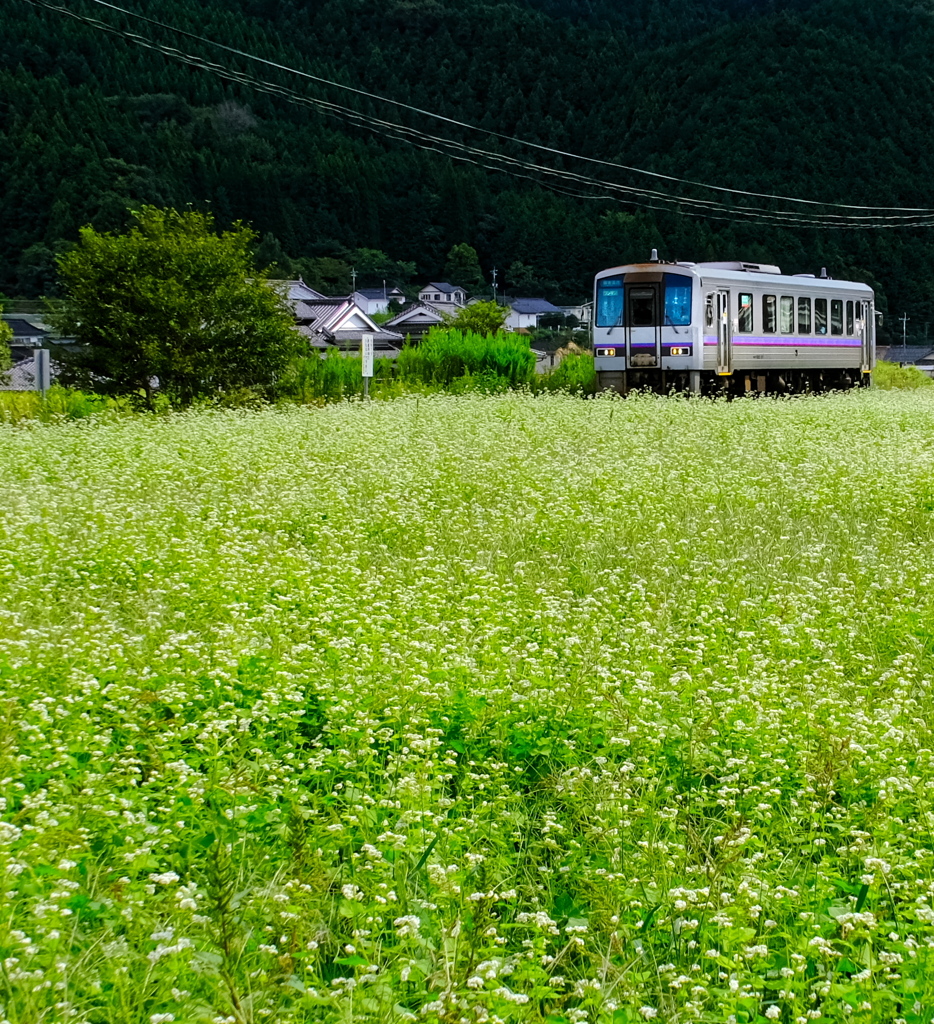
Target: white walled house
(377, 300)
(441, 292)
(524, 313)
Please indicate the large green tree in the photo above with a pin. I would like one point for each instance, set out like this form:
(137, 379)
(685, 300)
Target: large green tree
(481, 318)
(463, 267)
(172, 305)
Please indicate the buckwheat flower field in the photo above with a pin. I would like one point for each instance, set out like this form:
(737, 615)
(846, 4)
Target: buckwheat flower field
(476, 709)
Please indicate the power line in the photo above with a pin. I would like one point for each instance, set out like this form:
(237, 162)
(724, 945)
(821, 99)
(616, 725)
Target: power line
(499, 135)
(568, 182)
(462, 124)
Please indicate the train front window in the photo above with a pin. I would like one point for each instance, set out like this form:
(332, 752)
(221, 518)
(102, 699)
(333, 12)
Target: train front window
(786, 315)
(820, 316)
(836, 316)
(769, 314)
(642, 307)
(610, 302)
(677, 300)
(745, 313)
(804, 316)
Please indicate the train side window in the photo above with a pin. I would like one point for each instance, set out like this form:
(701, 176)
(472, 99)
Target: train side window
(804, 316)
(769, 314)
(786, 315)
(836, 316)
(745, 313)
(850, 322)
(820, 316)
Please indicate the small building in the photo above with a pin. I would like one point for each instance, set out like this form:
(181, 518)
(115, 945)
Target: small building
(444, 294)
(417, 320)
(377, 300)
(524, 314)
(341, 323)
(26, 334)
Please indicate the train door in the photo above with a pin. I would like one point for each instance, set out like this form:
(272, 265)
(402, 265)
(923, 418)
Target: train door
(643, 324)
(721, 301)
(866, 336)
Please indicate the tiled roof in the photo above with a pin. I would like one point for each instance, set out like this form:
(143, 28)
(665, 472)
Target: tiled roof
(24, 329)
(297, 290)
(532, 306)
(904, 354)
(441, 286)
(378, 293)
(421, 310)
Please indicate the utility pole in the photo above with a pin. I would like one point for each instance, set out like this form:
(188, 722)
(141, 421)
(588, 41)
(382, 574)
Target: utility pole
(353, 275)
(904, 319)
(494, 284)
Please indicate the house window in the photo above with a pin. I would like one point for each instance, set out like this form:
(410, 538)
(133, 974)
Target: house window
(437, 298)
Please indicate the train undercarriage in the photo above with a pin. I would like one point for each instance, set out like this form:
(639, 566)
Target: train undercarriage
(735, 385)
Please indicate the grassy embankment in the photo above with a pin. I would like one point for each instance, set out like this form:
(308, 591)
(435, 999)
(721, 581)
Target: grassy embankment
(470, 709)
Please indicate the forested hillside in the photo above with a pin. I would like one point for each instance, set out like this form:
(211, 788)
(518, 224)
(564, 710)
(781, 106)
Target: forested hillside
(821, 99)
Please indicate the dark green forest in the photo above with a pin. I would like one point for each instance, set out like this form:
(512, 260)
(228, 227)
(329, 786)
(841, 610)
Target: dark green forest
(827, 100)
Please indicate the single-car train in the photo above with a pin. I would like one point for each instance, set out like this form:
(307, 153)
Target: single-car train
(730, 328)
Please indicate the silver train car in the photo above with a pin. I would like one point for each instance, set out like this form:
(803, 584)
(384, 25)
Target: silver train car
(730, 328)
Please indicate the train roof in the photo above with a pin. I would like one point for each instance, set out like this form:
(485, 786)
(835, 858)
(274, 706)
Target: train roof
(738, 273)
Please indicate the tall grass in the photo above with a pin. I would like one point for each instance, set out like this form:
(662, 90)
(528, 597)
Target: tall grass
(59, 404)
(575, 373)
(465, 360)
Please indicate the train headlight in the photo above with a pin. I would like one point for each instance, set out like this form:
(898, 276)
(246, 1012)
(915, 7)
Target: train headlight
(681, 351)
(606, 352)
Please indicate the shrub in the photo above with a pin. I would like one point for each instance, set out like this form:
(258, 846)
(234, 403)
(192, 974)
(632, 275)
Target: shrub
(891, 375)
(447, 355)
(574, 373)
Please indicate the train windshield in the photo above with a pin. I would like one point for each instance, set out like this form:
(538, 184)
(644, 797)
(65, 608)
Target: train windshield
(610, 302)
(643, 310)
(677, 300)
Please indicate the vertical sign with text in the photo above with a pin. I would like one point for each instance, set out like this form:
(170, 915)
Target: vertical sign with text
(366, 356)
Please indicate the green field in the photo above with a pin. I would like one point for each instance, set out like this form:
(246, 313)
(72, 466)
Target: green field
(466, 709)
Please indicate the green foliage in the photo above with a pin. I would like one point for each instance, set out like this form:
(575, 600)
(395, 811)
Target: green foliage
(59, 404)
(480, 318)
(446, 709)
(466, 360)
(374, 267)
(463, 267)
(891, 375)
(174, 306)
(101, 127)
(6, 337)
(334, 377)
(575, 373)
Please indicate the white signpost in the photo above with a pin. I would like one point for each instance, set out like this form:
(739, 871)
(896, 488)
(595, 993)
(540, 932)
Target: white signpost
(366, 357)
